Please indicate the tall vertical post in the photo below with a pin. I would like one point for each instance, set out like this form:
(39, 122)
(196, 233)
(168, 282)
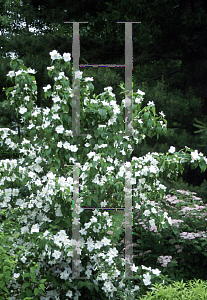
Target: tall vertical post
(76, 88)
(128, 128)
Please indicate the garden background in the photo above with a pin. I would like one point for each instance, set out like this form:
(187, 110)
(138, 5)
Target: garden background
(169, 60)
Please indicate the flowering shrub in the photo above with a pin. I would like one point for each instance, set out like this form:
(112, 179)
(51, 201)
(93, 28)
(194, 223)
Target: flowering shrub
(43, 269)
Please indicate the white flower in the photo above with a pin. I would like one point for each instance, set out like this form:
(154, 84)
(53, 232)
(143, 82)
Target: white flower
(152, 222)
(126, 103)
(151, 103)
(133, 268)
(90, 244)
(64, 275)
(78, 74)
(172, 149)
(56, 254)
(32, 71)
(108, 89)
(76, 221)
(50, 68)
(156, 271)
(60, 144)
(153, 169)
(66, 56)
(195, 155)
(106, 241)
(24, 229)
(140, 92)
(169, 220)
(69, 294)
(162, 114)
(23, 259)
(137, 206)
(153, 210)
(12, 55)
(89, 79)
(15, 192)
(55, 55)
(147, 212)
(50, 175)
(56, 99)
(59, 129)
(104, 203)
(66, 145)
(165, 214)
(16, 275)
(137, 100)
(146, 268)
(46, 88)
(35, 228)
(26, 98)
(11, 74)
(22, 110)
(73, 148)
(90, 154)
(19, 72)
(88, 273)
(58, 212)
(147, 278)
(46, 111)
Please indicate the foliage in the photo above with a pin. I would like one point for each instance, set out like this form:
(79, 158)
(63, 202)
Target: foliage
(181, 110)
(60, 222)
(192, 290)
(8, 253)
(187, 256)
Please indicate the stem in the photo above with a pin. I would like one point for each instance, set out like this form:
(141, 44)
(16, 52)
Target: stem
(64, 166)
(154, 147)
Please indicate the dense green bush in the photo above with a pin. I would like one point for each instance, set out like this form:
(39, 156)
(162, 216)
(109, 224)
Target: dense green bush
(8, 253)
(185, 257)
(192, 290)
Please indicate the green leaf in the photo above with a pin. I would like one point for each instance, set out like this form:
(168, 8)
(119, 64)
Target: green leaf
(26, 284)
(38, 291)
(153, 110)
(149, 123)
(32, 270)
(29, 292)
(69, 284)
(89, 285)
(97, 288)
(91, 87)
(104, 135)
(57, 159)
(58, 220)
(103, 112)
(9, 89)
(22, 295)
(67, 220)
(100, 141)
(81, 284)
(48, 152)
(146, 115)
